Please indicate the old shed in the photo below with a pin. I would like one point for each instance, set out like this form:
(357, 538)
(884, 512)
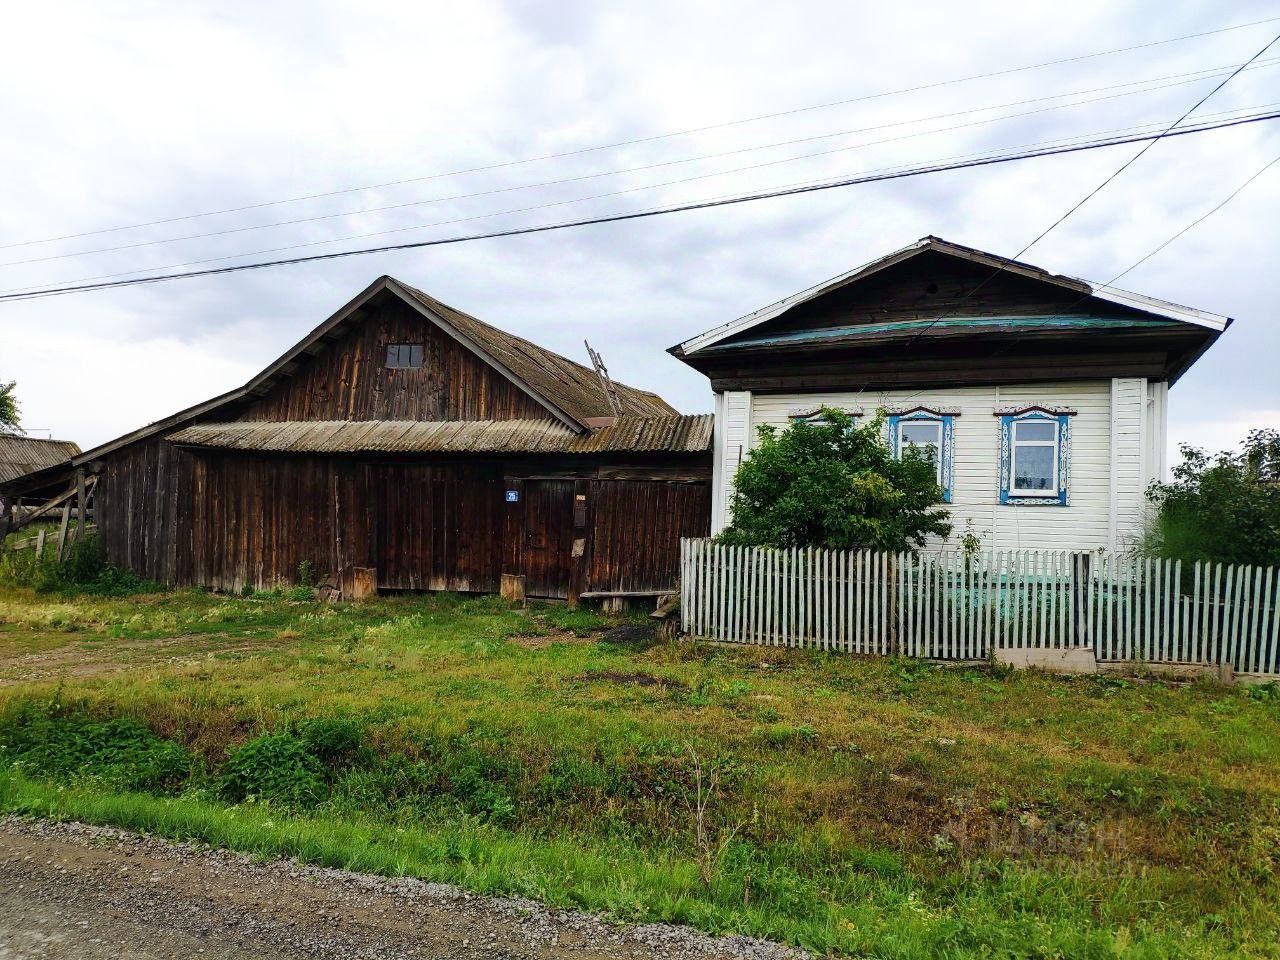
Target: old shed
(409, 438)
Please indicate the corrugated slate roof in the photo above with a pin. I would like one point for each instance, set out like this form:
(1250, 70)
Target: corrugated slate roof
(571, 386)
(568, 390)
(20, 455)
(628, 434)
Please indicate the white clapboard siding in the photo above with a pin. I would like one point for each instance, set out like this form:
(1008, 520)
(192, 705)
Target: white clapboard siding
(963, 606)
(1110, 464)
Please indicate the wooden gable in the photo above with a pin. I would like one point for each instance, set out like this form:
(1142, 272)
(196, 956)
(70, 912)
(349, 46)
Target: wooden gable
(349, 378)
(940, 314)
(931, 285)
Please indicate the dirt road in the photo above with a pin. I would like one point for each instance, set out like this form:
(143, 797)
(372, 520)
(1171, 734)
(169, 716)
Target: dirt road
(89, 893)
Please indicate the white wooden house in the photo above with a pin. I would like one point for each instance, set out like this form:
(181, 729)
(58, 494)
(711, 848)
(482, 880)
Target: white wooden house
(1043, 398)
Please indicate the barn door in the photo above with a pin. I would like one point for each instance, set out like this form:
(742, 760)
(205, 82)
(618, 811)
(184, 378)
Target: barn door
(547, 537)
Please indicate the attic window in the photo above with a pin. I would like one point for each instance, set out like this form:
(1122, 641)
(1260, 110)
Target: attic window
(404, 356)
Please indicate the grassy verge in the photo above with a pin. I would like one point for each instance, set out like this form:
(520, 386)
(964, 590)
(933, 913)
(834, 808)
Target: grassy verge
(886, 808)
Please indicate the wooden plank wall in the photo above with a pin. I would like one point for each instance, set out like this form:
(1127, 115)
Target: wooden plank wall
(350, 381)
(437, 526)
(227, 521)
(635, 542)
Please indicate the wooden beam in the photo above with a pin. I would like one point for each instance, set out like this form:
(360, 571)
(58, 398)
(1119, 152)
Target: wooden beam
(43, 510)
(62, 528)
(82, 503)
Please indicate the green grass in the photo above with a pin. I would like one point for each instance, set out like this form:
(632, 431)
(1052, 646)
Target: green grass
(884, 808)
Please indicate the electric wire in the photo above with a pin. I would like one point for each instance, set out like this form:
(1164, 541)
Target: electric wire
(635, 215)
(648, 139)
(622, 192)
(1171, 131)
(1154, 84)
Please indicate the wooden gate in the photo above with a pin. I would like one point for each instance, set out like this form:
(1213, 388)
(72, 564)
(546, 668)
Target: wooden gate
(545, 537)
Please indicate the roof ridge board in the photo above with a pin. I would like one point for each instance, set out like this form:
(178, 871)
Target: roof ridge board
(538, 353)
(1135, 301)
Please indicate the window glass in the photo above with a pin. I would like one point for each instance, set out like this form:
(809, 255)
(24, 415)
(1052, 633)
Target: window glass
(401, 356)
(1033, 467)
(1035, 430)
(1035, 456)
(925, 436)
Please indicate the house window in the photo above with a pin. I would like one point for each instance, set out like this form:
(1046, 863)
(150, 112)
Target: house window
(817, 419)
(404, 356)
(929, 433)
(1033, 457)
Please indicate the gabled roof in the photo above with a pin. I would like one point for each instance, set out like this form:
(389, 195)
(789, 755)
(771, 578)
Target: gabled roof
(570, 392)
(21, 455)
(573, 387)
(1081, 288)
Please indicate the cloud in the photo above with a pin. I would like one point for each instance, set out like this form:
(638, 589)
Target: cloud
(146, 111)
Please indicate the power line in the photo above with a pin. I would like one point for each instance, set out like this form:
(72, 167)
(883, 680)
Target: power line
(1196, 222)
(649, 139)
(1128, 163)
(1235, 114)
(1151, 85)
(637, 215)
(1096, 190)
(1094, 288)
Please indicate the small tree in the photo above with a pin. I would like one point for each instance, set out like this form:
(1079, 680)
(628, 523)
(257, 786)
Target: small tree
(834, 484)
(1224, 508)
(9, 414)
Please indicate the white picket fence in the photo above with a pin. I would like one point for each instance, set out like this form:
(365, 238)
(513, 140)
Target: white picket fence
(957, 606)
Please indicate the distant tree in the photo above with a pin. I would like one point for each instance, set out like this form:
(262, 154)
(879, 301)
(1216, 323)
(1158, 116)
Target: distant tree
(1224, 508)
(9, 414)
(834, 484)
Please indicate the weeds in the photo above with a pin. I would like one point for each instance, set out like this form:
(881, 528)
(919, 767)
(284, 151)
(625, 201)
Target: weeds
(82, 570)
(778, 793)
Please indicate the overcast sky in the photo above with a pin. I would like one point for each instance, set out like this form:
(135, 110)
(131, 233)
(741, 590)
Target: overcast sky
(125, 113)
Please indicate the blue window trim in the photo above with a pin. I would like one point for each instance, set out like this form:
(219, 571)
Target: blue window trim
(948, 430)
(1063, 451)
(816, 419)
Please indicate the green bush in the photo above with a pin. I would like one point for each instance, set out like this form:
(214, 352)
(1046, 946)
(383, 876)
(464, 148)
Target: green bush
(332, 740)
(837, 485)
(274, 766)
(82, 570)
(44, 741)
(1223, 509)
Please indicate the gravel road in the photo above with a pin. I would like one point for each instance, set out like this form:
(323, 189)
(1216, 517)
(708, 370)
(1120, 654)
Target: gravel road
(68, 890)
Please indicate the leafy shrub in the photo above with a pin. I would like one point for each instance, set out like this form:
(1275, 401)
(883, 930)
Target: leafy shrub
(1220, 509)
(274, 766)
(44, 741)
(82, 570)
(331, 740)
(834, 484)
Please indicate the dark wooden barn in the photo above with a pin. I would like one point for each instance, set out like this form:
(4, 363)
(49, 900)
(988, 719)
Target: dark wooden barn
(409, 438)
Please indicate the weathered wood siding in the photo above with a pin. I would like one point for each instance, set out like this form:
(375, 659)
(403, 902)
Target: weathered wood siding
(436, 526)
(931, 285)
(350, 381)
(227, 521)
(636, 531)
(137, 509)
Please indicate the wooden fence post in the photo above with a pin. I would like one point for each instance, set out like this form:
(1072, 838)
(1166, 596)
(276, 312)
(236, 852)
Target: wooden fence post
(1081, 582)
(62, 529)
(891, 601)
(82, 504)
